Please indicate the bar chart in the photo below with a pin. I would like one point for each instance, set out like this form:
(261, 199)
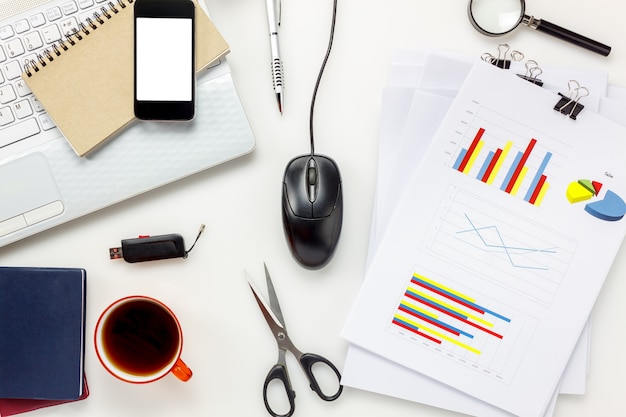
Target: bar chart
(439, 314)
(517, 162)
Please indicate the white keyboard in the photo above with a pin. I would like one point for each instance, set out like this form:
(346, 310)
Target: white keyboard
(24, 38)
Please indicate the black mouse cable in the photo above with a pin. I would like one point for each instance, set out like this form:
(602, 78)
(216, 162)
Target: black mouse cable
(319, 76)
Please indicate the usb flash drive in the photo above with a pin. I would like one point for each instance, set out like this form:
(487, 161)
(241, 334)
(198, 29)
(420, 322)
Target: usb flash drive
(152, 248)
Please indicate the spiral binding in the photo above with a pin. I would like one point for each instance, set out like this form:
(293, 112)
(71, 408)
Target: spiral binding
(84, 29)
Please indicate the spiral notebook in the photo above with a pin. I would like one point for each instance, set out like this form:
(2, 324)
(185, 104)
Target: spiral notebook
(86, 82)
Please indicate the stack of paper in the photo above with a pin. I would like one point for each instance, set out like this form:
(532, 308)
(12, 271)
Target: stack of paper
(477, 288)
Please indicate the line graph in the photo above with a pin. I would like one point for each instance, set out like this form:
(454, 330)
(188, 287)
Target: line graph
(489, 234)
(499, 245)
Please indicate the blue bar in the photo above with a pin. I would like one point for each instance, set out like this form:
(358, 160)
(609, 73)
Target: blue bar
(509, 174)
(538, 175)
(493, 313)
(459, 159)
(483, 169)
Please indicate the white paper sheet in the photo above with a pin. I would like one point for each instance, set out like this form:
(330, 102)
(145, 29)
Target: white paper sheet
(367, 371)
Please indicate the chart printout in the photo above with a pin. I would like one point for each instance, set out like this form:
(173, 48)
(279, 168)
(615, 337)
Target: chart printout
(494, 257)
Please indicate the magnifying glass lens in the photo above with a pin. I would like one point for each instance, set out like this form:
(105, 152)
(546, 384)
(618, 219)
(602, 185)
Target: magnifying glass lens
(496, 17)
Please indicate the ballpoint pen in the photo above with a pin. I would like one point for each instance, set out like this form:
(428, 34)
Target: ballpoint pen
(277, 65)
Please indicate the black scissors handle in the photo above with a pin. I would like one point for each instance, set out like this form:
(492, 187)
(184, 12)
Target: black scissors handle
(308, 360)
(279, 372)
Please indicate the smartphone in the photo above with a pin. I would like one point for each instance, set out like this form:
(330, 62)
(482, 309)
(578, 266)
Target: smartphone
(164, 59)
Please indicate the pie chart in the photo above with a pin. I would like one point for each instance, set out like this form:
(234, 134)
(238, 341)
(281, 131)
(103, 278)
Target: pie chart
(611, 208)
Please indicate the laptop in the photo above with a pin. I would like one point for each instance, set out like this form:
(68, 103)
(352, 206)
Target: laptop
(43, 183)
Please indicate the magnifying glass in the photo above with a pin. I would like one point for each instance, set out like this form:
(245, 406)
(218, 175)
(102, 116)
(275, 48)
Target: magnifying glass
(499, 17)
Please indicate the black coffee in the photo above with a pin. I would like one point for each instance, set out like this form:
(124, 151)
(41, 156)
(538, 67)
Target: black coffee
(140, 337)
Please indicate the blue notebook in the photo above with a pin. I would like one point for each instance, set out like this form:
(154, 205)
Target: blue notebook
(42, 333)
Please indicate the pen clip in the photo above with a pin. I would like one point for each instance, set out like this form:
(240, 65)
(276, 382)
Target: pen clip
(278, 5)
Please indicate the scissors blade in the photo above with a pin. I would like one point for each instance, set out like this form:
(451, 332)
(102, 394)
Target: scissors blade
(274, 304)
(272, 321)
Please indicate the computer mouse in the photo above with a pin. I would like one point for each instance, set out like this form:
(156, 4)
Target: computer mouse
(312, 205)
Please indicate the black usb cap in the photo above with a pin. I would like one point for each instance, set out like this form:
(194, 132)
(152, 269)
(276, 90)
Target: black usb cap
(152, 248)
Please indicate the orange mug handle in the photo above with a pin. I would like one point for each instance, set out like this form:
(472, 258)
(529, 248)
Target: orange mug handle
(182, 371)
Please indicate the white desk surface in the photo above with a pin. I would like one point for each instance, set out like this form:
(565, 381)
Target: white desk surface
(227, 343)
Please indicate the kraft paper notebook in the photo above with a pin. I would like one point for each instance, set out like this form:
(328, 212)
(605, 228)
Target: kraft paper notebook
(86, 83)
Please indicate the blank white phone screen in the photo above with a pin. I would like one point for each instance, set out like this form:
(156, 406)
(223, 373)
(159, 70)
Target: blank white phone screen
(164, 58)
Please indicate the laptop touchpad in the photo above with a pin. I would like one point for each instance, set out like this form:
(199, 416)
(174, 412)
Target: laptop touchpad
(28, 193)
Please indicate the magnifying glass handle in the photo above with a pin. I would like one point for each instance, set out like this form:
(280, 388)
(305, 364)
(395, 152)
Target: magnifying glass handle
(569, 36)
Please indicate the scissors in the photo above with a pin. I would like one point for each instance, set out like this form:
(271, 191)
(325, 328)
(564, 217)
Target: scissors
(275, 321)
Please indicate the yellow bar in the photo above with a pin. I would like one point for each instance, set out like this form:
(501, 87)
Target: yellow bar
(520, 180)
(438, 285)
(451, 307)
(542, 193)
(472, 159)
(433, 332)
(505, 151)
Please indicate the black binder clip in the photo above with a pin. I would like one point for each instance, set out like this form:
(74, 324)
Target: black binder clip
(501, 60)
(569, 105)
(533, 71)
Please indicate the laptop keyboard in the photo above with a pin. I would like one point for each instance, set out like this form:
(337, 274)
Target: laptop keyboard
(24, 38)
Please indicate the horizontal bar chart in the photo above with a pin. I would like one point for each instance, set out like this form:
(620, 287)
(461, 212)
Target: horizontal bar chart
(441, 314)
(460, 324)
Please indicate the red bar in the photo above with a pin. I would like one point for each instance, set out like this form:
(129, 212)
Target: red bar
(471, 149)
(432, 339)
(492, 164)
(521, 164)
(538, 188)
(499, 336)
(434, 306)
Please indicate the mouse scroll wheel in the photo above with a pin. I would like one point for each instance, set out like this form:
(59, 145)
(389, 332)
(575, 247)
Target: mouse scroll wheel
(311, 180)
(312, 176)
